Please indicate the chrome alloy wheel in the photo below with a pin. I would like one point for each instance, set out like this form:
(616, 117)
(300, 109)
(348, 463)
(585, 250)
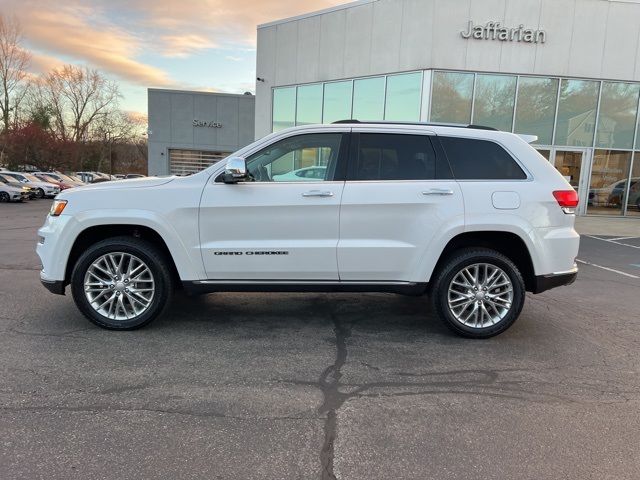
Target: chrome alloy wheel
(119, 286)
(480, 295)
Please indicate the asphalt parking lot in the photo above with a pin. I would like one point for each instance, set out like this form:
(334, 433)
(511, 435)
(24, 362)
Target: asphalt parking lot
(320, 386)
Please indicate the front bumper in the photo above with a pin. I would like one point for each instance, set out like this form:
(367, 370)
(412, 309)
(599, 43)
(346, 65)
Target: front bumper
(547, 282)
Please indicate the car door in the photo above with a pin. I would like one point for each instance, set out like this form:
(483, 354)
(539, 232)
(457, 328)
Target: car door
(278, 226)
(399, 199)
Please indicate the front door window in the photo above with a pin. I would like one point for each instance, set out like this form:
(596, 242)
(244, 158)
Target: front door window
(303, 158)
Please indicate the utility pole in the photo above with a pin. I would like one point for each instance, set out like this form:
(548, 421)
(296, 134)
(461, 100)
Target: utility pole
(110, 157)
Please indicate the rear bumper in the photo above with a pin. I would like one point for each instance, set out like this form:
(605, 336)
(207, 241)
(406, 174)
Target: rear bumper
(54, 286)
(547, 282)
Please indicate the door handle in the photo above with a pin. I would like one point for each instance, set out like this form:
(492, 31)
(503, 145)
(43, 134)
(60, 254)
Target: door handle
(438, 191)
(317, 193)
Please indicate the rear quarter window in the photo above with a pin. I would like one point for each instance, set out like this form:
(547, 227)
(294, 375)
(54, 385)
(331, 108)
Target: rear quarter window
(474, 159)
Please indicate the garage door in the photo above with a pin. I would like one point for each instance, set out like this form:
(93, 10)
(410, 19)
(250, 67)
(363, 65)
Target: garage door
(186, 162)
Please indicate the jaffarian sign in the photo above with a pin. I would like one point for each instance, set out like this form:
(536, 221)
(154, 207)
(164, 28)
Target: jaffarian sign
(495, 31)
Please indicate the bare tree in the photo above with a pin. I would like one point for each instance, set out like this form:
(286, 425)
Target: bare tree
(79, 98)
(14, 61)
(118, 127)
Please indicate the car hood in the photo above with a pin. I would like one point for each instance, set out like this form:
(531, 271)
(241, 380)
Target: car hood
(9, 188)
(128, 183)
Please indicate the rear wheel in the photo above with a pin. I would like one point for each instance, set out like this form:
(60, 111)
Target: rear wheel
(121, 283)
(4, 197)
(478, 293)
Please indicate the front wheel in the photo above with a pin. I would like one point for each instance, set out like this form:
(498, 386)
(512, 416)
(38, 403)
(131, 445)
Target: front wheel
(39, 193)
(478, 293)
(121, 283)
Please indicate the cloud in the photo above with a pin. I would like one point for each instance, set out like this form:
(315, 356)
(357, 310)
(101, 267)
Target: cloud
(178, 45)
(113, 36)
(231, 58)
(73, 32)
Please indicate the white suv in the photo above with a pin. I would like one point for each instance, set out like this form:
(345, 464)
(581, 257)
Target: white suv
(471, 216)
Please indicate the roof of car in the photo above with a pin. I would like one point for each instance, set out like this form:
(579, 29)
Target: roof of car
(454, 130)
(427, 124)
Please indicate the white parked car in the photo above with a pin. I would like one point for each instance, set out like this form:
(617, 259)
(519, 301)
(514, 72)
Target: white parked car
(470, 216)
(307, 173)
(10, 193)
(42, 189)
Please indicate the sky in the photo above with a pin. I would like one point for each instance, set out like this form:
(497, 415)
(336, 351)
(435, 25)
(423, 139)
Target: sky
(180, 44)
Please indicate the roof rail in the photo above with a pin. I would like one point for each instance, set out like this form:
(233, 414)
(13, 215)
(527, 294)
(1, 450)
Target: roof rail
(428, 124)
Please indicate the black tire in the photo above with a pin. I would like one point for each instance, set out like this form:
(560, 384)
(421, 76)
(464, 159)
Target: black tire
(155, 260)
(39, 193)
(4, 197)
(456, 262)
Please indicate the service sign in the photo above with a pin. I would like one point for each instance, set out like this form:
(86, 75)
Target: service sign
(206, 123)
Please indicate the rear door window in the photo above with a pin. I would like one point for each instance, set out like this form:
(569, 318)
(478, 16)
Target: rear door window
(390, 156)
(475, 159)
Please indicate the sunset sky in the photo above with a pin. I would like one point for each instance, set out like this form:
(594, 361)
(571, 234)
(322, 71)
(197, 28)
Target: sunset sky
(183, 44)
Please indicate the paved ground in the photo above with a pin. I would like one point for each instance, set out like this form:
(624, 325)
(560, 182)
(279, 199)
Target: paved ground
(304, 386)
(614, 226)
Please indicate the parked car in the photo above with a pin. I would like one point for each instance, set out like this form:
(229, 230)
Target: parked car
(50, 179)
(634, 195)
(308, 173)
(134, 175)
(472, 216)
(43, 189)
(61, 177)
(94, 177)
(611, 195)
(10, 193)
(6, 179)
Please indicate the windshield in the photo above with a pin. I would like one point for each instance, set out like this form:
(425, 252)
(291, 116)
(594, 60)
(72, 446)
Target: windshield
(48, 178)
(64, 177)
(31, 178)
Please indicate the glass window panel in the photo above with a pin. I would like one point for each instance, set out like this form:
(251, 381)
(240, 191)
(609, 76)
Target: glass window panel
(577, 113)
(398, 157)
(608, 182)
(617, 118)
(403, 97)
(494, 100)
(451, 97)
(337, 101)
(536, 107)
(545, 153)
(633, 199)
(569, 164)
(303, 158)
(309, 104)
(368, 99)
(473, 159)
(284, 108)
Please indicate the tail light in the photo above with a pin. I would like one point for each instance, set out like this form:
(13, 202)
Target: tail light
(567, 199)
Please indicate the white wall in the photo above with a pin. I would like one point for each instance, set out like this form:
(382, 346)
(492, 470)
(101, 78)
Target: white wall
(585, 38)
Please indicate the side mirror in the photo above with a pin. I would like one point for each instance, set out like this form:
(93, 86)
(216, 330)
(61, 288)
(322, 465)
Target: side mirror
(235, 170)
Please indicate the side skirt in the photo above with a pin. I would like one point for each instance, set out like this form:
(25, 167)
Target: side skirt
(208, 286)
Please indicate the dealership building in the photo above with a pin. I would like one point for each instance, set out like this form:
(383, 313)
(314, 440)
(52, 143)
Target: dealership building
(567, 71)
(188, 131)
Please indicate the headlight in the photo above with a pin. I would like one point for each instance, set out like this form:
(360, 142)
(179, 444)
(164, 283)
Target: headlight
(57, 207)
